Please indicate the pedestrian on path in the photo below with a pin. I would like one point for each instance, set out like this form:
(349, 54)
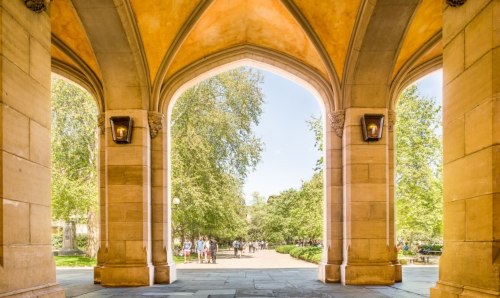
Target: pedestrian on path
(187, 249)
(214, 248)
(206, 249)
(241, 247)
(236, 247)
(199, 249)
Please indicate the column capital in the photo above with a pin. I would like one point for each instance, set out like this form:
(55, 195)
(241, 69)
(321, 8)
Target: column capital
(337, 119)
(455, 3)
(37, 6)
(155, 120)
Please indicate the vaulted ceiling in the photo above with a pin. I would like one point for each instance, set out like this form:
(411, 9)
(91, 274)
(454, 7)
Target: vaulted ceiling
(174, 34)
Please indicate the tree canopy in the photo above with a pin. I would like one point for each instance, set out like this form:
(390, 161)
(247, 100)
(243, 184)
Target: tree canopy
(293, 214)
(74, 158)
(418, 167)
(213, 149)
(74, 152)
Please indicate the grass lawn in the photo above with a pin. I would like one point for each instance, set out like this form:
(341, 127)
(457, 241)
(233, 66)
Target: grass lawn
(82, 261)
(179, 259)
(74, 261)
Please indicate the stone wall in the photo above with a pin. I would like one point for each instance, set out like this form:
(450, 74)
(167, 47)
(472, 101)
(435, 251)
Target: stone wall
(27, 266)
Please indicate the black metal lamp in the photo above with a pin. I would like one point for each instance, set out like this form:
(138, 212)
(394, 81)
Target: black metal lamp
(121, 129)
(372, 125)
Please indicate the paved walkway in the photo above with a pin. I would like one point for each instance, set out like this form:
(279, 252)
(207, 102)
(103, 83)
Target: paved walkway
(259, 278)
(261, 259)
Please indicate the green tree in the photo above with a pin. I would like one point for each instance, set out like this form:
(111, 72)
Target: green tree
(418, 167)
(257, 214)
(307, 212)
(297, 214)
(316, 126)
(213, 148)
(74, 153)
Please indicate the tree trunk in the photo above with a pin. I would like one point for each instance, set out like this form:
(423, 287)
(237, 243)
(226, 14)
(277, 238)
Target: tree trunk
(92, 235)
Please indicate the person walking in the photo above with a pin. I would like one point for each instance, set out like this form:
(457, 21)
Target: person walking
(199, 249)
(206, 249)
(214, 248)
(236, 247)
(241, 247)
(187, 250)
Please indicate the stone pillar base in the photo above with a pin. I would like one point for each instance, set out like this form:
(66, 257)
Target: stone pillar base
(165, 274)
(127, 276)
(97, 274)
(444, 289)
(398, 273)
(329, 273)
(368, 274)
(53, 290)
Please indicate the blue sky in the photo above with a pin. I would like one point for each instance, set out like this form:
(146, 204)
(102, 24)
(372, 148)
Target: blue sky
(289, 155)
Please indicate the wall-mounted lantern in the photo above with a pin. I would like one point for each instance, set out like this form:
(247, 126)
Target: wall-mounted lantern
(372, 125)
(121, 129)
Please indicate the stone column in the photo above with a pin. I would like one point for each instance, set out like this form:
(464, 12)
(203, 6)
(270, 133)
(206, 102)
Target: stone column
(160, 205)
(391, 122)
(128, 206)
(329, 269)
(470, 264)
(367, 220)
(26, 263)
(101, 252)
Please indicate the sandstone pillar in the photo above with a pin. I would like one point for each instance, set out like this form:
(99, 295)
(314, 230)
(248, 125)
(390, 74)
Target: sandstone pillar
(101, 252)
(128, 206)
(470, 264)
(367, 220)
(164, 266)
(26, 262)
(329, 269)
(393, 252)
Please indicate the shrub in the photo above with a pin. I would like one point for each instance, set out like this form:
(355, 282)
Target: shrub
(57, 240)
(310, 254)
(82, 241)
(285, 249)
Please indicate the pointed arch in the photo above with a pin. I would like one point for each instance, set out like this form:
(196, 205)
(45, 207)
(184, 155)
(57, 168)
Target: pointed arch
(373, 51)
(316, 41)
(410, 72)
(172, 50)
(272, 59)
(118, 49)
(83, 75)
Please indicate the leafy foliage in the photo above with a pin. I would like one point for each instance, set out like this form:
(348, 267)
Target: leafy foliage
(213, 148)
(284, 249)
(74, 153)
(418, 168)
(293, 215)
(310, 254)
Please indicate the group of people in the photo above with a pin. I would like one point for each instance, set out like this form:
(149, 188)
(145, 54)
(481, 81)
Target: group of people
(206, 250)
(239, 246)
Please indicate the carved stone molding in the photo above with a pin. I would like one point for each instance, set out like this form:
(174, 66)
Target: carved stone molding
(100, 123)
(37, 6)
(391, 119)
(155, 121)
(455, 3)
(337, 119)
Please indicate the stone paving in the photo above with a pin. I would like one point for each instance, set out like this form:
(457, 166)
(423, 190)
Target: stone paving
(212, 282)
